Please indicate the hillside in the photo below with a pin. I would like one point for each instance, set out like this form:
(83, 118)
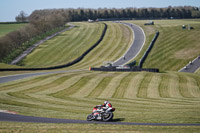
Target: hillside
(166, 97)
(174, 47)
(71, 44)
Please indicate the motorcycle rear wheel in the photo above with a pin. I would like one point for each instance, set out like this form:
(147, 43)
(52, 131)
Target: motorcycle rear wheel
(108, 116)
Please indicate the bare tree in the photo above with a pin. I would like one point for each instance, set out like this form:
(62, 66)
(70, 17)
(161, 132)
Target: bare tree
(22, 17)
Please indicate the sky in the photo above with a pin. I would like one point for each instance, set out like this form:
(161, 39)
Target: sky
(9, 9)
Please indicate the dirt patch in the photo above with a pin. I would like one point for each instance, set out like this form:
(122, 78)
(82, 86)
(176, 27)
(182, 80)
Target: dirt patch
(186, 53)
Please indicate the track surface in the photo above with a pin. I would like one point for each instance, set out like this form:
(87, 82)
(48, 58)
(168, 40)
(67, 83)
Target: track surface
(21, 118)
(192, 67)
(130, 54)
(135, 48)
(5, 79)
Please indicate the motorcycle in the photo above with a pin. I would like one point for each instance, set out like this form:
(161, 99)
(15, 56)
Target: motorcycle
(99, 113)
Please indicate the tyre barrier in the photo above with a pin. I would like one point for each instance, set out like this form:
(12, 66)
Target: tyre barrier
(65, 65)
(148, 50)
(132, 69)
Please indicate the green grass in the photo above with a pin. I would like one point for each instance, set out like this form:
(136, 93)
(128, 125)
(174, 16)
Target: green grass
(71, 44)
(169, 97)
(174, 47)
(173, 98)
(66, 46)
(8, 127)
(198, 71)
(6, 28)
(117, 40)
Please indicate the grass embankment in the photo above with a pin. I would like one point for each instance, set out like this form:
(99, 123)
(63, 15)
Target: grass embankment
(71, 44)
(138, 97)
(58, 128)
(198, 71)
(6, 28)
(174, 47)
(65, 47)
(117, 40)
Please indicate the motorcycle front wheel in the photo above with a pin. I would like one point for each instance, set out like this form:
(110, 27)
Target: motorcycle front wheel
(108, 116)
(89, 117)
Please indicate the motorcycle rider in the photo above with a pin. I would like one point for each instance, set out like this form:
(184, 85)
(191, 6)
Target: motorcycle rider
(105, 107)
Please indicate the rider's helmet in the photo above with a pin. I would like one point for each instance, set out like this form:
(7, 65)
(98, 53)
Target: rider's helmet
(106, 102)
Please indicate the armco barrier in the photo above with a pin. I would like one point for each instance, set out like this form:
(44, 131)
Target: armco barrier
(65, 65)
(148, 50)
(133, 69)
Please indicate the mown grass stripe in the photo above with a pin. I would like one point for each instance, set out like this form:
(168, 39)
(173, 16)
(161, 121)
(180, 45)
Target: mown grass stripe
(121, 89)
(40, 106)
(142, 91)
(164, 86)
(74, 78)
(193, 87)
(22, 92)
(74, 88)
(29, 86)
(174, 86)
(22, 83)
(49, 85)
(153, 88)
(100, 87)
(183, 87)
(89, 87)
(132, 90)
(129, 92)
(109, 91)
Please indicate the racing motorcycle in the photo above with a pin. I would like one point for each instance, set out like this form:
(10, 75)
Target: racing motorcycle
(99, 113)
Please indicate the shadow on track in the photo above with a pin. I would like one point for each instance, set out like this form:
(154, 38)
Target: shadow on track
(118, 120)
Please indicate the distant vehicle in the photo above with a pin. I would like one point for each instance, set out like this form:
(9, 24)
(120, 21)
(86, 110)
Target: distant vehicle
(90, 20)
(150, 23)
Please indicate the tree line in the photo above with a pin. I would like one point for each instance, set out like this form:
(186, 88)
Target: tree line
(42, 21)
(136, 13)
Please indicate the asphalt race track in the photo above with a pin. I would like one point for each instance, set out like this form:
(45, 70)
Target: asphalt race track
(22, 118)
(192, 66)
(134, 50)
(5, 79)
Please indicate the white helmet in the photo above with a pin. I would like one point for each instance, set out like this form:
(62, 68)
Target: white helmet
(106, 102)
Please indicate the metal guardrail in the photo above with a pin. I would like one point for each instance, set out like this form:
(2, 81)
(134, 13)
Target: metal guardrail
(148, 50)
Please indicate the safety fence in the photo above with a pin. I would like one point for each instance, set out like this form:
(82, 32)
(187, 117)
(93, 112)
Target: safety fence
(133, 69)
(65, 65)
(148, 50)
